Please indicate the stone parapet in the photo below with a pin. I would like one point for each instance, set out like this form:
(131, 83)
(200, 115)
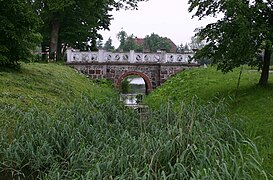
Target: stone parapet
(103, 56)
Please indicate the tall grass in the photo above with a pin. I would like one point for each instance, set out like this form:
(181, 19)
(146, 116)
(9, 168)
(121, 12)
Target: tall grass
(250, 102)
(94, 140)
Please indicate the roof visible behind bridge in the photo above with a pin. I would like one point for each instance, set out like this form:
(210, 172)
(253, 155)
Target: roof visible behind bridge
(140, 42)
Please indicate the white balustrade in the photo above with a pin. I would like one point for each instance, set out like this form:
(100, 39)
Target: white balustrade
(129, 57)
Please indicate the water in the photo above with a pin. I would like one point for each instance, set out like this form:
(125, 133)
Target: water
(129, 99)
(136, 92)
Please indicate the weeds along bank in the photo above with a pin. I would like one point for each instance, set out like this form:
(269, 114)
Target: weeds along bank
(90, 140)
(94, 137)
(249, 111)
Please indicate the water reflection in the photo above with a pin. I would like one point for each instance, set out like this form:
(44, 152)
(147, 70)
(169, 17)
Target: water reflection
(129, 99)
(135, 92)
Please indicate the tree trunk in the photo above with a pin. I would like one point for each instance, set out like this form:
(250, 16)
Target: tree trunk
(55, 26)
(266, 63)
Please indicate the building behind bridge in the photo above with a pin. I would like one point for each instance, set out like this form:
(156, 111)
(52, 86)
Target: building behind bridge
(141, 41)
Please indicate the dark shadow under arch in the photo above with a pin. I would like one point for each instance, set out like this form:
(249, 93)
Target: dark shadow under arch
(148, 84)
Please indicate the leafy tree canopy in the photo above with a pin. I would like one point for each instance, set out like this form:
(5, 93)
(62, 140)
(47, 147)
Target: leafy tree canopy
(154, 42)
(128, 43)
(18, 36)
(240, 36)
(72, 22)
(151, 43)
(122, 36)
(196, 41)
(108, 45)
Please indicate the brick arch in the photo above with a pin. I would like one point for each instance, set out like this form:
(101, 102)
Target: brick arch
(147, 81)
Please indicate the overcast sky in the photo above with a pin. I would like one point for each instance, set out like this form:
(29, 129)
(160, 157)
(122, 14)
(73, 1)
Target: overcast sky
(167, 18)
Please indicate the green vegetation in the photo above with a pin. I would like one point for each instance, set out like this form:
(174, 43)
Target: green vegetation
(241, 36)
(250, 110)
(72, 22)
(52, 24)
(154, 42)
(18, 32)
(60, 125)
(46, 86)
(151, 43)
(125, 86)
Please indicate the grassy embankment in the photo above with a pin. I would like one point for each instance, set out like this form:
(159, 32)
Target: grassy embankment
(251, 110)
(57, 124)
(46, 86)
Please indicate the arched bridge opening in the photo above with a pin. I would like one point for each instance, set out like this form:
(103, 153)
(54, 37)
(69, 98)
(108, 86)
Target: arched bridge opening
(148, 83)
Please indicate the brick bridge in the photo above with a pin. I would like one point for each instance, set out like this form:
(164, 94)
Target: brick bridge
(154, 68)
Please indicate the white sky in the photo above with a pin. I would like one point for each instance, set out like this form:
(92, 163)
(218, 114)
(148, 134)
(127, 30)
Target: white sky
(167, 18)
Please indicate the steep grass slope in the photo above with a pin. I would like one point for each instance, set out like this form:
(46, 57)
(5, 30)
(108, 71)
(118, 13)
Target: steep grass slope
(46, 86)
(251, 109)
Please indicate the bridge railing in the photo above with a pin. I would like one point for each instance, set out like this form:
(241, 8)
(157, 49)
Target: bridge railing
(103, 56)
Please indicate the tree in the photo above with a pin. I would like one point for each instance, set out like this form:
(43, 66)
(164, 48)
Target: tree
(186, 48)
(128, 43)
(240, 36)
(108, 45)
(154, 42)
(99, 44)
(180, 48)
(18, 36)
(73, 22)
(122, 36)
(196, 41)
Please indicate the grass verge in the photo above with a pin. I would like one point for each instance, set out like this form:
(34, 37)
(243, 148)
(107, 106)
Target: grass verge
(250, 111)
